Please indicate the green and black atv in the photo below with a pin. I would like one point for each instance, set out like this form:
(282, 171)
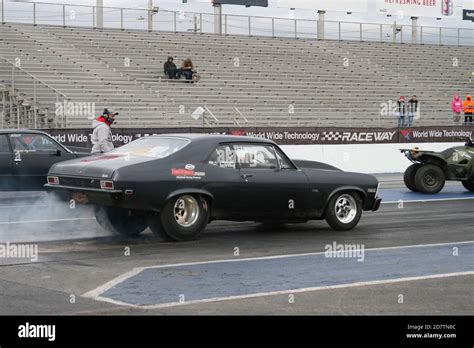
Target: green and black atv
(431, 169)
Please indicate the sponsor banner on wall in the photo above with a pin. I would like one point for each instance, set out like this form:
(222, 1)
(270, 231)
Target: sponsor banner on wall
(263, 3)
(282, 136)
(468, 15)
(421, 8)
(361, 6)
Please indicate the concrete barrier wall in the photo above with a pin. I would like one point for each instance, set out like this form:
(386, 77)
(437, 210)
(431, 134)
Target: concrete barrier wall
(363, 158)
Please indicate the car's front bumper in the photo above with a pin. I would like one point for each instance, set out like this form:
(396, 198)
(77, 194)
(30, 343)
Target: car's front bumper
(376, 204)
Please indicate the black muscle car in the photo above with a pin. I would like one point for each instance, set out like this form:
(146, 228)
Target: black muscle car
(27, 155)
(176, 184)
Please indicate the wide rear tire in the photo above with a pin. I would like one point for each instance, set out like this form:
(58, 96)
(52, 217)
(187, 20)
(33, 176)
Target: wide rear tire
(343, 211)
(184, 217)
(409, 177)
(429, 179)
(468, 185)
(155, 225)
(126, 222)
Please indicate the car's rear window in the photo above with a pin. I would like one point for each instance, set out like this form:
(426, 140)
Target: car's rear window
(153, 147)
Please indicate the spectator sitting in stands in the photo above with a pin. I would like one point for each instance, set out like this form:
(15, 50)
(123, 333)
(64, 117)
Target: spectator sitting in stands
(170, 68)
(412, 108)
(468, 107)
(401, 111)
(187, 69)
(456, 106)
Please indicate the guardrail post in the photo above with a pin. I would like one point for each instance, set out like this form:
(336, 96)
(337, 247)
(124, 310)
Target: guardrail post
(414, 30)
(421, 35)
(459, 36)
(360, 32)
(440, 35)
(35, 115)
(34, 14)
(250, 26)
(3, 11)
(225, 25)
(339, 30)
(273, 27)
(321, 24)
(64, 15)
(296, 29)
(200, 23)
(17, 114)
(121, 18)
(381, 33)
(217, 19)
(174, 13)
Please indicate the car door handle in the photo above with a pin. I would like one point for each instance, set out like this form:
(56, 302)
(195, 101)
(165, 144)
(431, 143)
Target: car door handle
(246, 176)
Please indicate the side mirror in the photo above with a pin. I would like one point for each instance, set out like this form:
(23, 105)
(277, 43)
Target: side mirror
(58, 152)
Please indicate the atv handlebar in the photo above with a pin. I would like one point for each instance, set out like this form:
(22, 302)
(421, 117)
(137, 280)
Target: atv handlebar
(468, 141)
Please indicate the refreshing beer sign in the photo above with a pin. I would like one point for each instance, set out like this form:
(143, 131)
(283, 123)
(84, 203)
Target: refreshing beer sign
(421, 8)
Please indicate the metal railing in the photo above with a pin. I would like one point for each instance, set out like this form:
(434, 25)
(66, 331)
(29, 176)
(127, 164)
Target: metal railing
(180, 21)
(36, 89)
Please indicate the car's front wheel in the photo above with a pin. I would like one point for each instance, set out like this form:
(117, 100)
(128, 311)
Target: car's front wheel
(184, 217)
(429, 178)
(409, 177)
(125, 222)
(343, 211)
(468, 185)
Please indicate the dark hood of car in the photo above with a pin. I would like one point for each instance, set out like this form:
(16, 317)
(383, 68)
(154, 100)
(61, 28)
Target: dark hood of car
(102, 166)
(340, 177)
(314, 165)
(83, 151)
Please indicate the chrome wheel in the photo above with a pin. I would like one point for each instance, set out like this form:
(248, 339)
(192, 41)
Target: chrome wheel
(186, 211)
(346, 208)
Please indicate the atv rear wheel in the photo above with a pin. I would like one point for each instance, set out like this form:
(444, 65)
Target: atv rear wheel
(409, 177)
(469, 185)
(430, 179)
(125, 222)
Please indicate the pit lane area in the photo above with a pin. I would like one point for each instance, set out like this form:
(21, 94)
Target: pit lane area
(244, 268)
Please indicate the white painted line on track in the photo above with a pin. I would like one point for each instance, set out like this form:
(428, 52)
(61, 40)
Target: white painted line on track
(41, 221)
(4, 206)
(426, 200)
(96, 293)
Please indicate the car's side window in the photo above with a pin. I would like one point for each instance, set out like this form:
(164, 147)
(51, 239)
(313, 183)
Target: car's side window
(223, 156)
(284, 163)
(4, 147)
(32, 143)
(256, 156)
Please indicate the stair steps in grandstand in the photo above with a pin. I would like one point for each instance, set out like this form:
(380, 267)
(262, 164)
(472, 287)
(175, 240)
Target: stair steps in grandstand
(261, 76)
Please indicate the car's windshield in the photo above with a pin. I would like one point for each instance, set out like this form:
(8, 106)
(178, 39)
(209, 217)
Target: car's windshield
(153, 147)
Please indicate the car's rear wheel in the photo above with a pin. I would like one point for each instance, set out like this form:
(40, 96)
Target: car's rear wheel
(468, 185)
(125, 222)
(430, 179)
(343, 211)
(184, 217)
(409, 177)
(154, 222)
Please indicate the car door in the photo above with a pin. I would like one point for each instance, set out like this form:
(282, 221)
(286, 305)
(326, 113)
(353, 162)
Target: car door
(33, 155)
(223, 182)
(6, 164)
(270, 189)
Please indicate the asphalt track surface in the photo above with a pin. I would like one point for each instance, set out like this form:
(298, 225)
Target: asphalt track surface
(414, 256)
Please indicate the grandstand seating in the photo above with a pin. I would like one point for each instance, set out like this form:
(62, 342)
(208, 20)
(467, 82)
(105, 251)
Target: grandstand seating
(277, 81)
